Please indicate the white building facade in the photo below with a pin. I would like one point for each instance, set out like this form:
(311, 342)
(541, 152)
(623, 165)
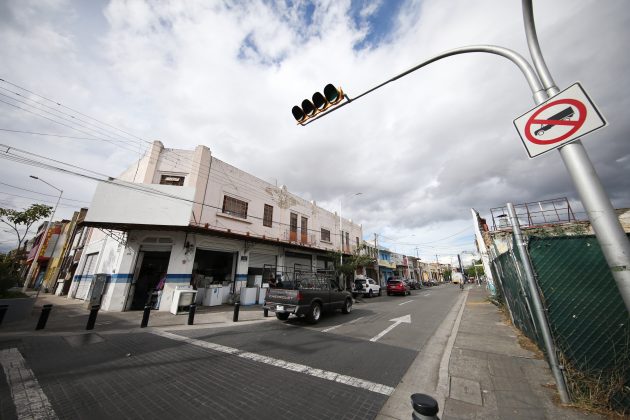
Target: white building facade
(199, 222)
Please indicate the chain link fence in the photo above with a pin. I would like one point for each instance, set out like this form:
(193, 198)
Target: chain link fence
(586, 314)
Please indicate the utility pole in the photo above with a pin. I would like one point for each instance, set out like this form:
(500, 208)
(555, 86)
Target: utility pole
(378, 273)
(439, 271)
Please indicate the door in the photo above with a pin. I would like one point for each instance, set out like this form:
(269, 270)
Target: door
(154, 265)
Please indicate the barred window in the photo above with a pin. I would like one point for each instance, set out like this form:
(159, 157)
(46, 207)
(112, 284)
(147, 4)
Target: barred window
(325, 235)
(268, 215)
(234, 207)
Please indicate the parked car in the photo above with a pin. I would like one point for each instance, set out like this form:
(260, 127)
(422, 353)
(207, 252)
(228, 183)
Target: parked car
(307, 296)
(366, 286)
(398, 287)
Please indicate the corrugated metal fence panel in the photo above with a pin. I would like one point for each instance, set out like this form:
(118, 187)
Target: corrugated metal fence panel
(586, 312)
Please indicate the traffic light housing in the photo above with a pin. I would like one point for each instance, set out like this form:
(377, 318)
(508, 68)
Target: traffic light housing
(318, 104)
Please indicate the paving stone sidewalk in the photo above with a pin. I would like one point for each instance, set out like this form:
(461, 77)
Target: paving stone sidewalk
(70, 315)
(491, 376)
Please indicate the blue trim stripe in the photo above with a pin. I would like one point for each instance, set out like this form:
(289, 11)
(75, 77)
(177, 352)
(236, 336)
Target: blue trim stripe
(121, 278)
(83, 277)
(178, 278)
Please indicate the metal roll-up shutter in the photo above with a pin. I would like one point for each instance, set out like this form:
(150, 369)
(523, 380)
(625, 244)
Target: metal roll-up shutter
(258, 260)
(86, 276)
(212, 243)
(294, 260)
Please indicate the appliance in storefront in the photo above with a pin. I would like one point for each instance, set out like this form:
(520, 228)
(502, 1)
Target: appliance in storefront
(249, 294)
(213, 295)
(183, 297)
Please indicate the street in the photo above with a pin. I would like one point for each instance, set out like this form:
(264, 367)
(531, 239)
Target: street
(270, 369)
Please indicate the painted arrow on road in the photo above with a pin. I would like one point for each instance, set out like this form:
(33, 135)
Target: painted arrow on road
(396, 322)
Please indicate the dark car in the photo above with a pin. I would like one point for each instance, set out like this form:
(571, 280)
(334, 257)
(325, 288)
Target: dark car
(398, 287)
(413, 284)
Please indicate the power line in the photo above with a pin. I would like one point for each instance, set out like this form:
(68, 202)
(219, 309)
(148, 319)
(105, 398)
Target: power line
(37, 192)
(78, 112)
(7, 155)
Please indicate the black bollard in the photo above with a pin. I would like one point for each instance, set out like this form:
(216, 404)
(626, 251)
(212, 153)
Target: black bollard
(191, 314)
(41, 324)
(92, 317)
(145, 316)
(424, 406)
(265, 312)
(237, 307)
(3, 311)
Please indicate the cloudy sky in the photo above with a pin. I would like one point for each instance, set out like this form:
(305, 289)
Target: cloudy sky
(422, 150)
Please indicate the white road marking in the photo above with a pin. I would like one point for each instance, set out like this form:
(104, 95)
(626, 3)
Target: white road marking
(28, 397)
(397, 321)
(295, 367)
(427, 294)
(340, 325)
(401, 304)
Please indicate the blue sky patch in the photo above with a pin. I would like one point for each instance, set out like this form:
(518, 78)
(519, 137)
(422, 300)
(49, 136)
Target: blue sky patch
(379, 23)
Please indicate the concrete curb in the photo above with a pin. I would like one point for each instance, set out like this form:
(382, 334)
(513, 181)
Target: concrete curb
(424, 373)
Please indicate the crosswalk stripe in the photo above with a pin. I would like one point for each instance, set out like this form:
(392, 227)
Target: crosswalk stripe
(295, 367)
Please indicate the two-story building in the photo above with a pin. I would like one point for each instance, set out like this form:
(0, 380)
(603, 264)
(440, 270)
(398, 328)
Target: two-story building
(199, 221)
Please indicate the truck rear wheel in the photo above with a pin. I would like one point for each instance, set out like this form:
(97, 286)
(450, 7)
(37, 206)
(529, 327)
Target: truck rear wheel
(314, 313)
(347, 306)
(282, 316)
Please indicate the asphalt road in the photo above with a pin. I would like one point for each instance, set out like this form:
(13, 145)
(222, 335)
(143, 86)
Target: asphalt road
(345, 367)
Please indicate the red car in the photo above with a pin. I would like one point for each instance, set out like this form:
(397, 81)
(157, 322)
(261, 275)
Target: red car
(397, 287)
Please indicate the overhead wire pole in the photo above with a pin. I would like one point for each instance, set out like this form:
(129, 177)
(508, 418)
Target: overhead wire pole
(601, 213)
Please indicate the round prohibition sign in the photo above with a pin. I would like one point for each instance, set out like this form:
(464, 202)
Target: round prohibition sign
(575, 125)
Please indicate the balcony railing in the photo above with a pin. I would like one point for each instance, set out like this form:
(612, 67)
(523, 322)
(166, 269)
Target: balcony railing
(303, 238)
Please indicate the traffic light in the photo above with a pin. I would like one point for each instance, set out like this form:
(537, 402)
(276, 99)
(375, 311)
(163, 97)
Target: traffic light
(319, 103)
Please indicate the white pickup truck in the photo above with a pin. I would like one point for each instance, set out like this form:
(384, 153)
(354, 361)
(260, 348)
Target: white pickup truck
(366, 287)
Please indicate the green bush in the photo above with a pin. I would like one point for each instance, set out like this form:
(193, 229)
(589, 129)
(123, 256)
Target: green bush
(7, 281)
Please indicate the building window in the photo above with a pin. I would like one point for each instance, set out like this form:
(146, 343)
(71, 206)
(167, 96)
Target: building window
(268, 215)
(325, 235)
(234, 207)
(357, 238)
(304, 229)
(293, 227)
(172, 180)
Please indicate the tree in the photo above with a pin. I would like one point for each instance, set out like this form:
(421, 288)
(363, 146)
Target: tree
(352, 262)
(470, 271)
(24, 219)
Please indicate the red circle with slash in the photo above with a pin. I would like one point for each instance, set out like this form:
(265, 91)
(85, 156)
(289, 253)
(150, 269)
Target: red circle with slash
(575, 125)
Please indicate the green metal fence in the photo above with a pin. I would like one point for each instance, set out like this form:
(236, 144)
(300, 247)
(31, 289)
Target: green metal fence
(586, 314)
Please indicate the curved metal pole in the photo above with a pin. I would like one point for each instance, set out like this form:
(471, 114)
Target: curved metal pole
(530, 75)
(601, 213)
(534, 49)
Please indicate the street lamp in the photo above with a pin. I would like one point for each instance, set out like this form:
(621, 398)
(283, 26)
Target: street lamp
(41, 242)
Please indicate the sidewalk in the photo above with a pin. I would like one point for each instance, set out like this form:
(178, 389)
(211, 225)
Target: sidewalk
(492, 376)
(70, 315)
(475, 368)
